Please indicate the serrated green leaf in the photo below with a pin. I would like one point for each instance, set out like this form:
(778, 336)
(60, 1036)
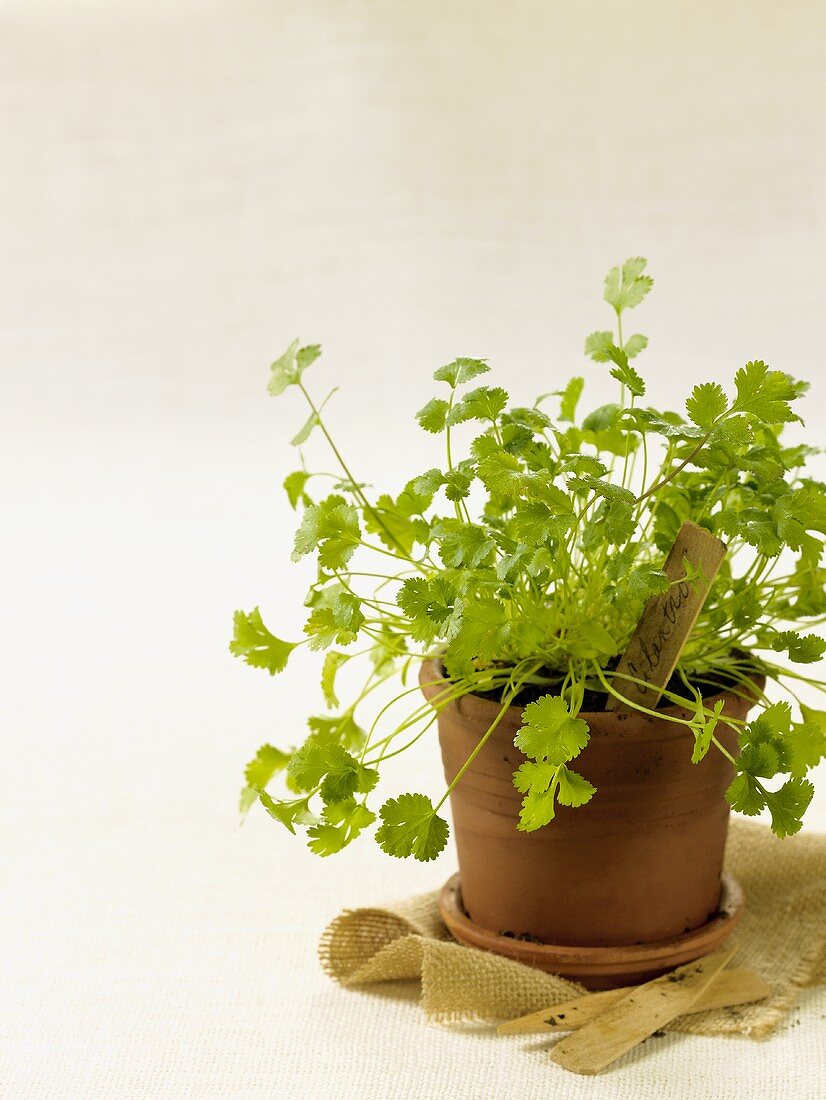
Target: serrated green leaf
(260, 771)
(549, 732)
(289, 367)
(309, 764)
(543, 784)
(597, 344)
(411, 826)
(537, 780)
(483, 403)
(346, 776)
(535, 523)
(428, 483)
(745, 795)
(635, 344)
(502, 473)
(331, 528)
(289, 813)
(573, 790)
(807, 742)
(765, 394)
(626, 286)
(457, 484)
(460, 371)
(430, 605)
(256, 645)
(788, 804)
(602, 419)
(433, 416)
(803, 649)
(343, 822)
(706, 404)
(623, 371)
(462, 544)
(335, 622)
(339, 729)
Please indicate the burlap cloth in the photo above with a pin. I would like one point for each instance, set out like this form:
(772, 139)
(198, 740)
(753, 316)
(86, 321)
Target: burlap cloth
(781, 936)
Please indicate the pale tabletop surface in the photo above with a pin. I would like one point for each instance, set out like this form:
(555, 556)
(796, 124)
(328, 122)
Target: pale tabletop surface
(185, 187)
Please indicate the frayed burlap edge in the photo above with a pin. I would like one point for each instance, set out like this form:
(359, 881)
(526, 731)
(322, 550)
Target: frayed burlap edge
(782, 937)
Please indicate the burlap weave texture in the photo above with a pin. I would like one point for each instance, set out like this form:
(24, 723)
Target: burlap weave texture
(781, 936)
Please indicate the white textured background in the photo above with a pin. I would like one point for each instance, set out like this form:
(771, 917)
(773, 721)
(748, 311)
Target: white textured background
(184, 187)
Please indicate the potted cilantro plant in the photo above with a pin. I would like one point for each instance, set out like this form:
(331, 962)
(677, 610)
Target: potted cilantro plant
(510, 576)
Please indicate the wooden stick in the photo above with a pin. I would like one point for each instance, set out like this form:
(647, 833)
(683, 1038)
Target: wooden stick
(668, 619)
(637, 1015)
(730, 987)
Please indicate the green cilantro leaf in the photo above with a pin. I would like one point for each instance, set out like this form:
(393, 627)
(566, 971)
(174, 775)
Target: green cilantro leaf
(411, 826)
(303, 434)
(256, 645)
(597, 344)
(429, 604)
(543, 784)
(635, 344)
(336, 621)
(433, 416)
(538, 782)
(426, 484)
(462, 544)
(549, 732)
(570, 399)
(765, 394)
(289, 813)
(310, 763)
(807, 742)
(483, 403)
(343, 822)
(461, 371)
(803, 649)
(788, 804)
(346, 776)
(259, 771)
(331, 528)
(706, 404)
(294, 484)
(745, 795)
(333, 660)
(626, 286)
(704, 730)
(502, 473)
(288, 369)
(339, 729)
(624, 373)
(573, 790)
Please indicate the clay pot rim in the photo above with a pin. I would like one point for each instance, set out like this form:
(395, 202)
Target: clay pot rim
(473, 706)
(581, 963)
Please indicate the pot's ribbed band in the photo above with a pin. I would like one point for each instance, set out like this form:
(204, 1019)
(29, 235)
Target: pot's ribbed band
(782, 937)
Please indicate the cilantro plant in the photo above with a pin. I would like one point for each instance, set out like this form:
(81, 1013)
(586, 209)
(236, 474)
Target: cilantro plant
(522, 560)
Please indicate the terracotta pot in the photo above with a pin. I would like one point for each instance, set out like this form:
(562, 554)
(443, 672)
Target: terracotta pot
(640, 863)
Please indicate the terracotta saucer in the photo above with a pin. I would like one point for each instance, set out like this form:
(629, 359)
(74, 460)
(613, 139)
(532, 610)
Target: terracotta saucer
(598, 967)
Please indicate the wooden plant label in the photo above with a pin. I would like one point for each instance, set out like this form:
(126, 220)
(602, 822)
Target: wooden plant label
(730, 987)
(668, 619)
(637, 1015)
